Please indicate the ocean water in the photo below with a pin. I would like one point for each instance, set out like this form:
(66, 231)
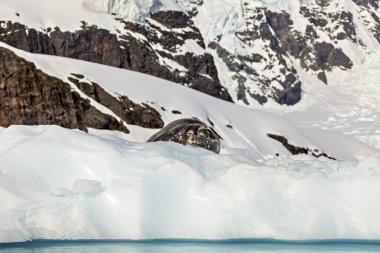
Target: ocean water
(183, 246)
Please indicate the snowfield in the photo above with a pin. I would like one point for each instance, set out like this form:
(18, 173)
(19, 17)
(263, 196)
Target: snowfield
(57, 183)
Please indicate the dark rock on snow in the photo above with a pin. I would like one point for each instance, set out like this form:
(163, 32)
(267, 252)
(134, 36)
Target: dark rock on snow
(295, 150)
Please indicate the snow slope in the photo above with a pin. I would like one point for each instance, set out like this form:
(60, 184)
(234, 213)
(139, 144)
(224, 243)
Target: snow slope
(46, 14)
(348, 106)
(42, 14)
(73, 185)
(249, 127)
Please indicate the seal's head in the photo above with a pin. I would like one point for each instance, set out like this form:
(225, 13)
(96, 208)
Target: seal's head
(189, 132)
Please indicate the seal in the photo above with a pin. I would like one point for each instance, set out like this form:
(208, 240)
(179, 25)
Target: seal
(189, 132)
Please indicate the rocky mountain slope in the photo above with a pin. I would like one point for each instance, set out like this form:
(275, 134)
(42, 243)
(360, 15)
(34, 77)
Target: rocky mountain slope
(248, 52)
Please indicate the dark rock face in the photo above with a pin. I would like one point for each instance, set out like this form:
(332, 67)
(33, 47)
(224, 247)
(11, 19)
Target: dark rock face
(246, 70)
(237, 65)
(132, 113)
(281, 40)
(189, 132)
(330, 56)
(30, 97)
(367, 3)
(313, 55)
(291, 96)
(376, 29)
(89, 44)
(124, 50)
(370, 8)
(173, 19)
(200, 71)
(320, 18)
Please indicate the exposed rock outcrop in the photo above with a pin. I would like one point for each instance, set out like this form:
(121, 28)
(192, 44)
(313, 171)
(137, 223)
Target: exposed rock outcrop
(295, 150)
(30, 97)
(132, 113)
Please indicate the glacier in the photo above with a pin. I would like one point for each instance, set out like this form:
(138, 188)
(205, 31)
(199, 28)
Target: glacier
(57, 183)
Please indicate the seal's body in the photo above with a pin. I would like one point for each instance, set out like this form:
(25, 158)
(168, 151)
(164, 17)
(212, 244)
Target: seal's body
(189, 132)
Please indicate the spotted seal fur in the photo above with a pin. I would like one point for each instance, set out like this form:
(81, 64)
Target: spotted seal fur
(189, 132)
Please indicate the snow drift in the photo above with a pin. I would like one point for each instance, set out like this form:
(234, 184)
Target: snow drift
(57, 183)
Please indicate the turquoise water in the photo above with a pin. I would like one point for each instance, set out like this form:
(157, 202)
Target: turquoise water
(167, 246)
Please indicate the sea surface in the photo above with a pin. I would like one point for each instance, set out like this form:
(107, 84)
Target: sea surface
(171, 246)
